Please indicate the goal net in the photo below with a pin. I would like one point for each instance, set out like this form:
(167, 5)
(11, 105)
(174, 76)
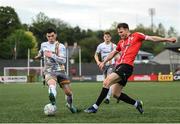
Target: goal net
(34, 74)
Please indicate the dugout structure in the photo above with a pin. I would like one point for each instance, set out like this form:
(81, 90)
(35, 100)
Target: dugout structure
(174, 56)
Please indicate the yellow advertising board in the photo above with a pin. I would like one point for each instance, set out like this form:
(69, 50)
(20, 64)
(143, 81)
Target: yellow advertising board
(167, 77)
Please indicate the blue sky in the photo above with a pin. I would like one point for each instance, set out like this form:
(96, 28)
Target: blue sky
(100, 14)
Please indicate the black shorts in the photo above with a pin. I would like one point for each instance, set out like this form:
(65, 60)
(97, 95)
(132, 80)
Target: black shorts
(108, 70)
(124, 71)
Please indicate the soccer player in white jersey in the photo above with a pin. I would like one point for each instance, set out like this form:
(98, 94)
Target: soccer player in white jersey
(103, 49)
(54, 54)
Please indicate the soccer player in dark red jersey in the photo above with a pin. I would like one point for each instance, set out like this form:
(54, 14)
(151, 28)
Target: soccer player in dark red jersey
(129, 46)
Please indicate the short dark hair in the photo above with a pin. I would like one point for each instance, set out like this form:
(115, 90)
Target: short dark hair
(107, 33)
(123, 25)
(50, 30)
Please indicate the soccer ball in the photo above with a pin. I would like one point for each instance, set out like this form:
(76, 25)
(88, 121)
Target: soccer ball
(50, 109)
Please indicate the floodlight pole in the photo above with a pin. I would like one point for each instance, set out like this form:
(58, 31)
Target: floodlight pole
(67, 62)
(80, 73)
(67, 58)
(15, 51)
(28, 62)
(41, 65)
(152, 13)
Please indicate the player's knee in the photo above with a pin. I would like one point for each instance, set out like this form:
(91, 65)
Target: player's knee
(51, 82)
(106, 83)
(115, 95)
(68, 92)
(67, 89)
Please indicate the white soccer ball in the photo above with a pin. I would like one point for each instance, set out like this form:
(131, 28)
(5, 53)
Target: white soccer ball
(50, 109)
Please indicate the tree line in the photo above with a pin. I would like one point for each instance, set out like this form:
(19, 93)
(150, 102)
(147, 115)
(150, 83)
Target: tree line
(16, 38)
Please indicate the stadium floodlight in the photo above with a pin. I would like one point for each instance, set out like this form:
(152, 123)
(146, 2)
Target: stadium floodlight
(152, 13)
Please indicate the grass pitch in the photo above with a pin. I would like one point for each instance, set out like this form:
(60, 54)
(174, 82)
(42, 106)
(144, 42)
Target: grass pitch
(24, 103)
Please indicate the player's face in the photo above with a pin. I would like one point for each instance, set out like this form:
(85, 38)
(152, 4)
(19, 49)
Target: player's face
(107, 38)
(123, 33)
(51, 37)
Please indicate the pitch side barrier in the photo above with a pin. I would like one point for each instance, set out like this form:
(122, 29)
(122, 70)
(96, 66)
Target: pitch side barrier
(13, 79)
(87, 78)
(155, 77)
(133, 78)
(99, 78)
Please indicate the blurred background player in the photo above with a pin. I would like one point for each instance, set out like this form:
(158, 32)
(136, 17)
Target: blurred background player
(102, 50)
(129, 46)
(54, 54)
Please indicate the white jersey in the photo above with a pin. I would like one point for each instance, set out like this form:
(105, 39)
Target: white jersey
(55, 63)
(104, 49)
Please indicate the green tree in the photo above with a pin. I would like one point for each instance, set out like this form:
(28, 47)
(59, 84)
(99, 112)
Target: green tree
(9, 21)
(59, 23)
(172, 32)
(114, 25)
(65, 33)
(39, 26)
(161, 30)
(71, 35)
(17, 45)
(88, 47)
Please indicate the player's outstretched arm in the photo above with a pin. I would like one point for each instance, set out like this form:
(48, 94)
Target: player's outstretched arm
(40, 54)
(37, 57)
(161, 39)
(96, 57)
(109, 57)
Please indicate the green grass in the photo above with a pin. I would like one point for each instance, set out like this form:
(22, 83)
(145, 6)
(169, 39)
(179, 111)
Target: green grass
(24, 103)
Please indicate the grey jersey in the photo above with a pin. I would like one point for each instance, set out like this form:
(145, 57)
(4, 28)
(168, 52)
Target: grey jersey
(57, 61)
(104, 49)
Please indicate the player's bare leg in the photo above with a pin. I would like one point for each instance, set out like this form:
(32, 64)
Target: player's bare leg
(69, 98)
(52, 90)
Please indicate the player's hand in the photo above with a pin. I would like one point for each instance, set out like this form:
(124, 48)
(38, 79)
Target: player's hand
(48, 53)
(98, 63)
(36, 57)
(101, 65)
(172, 40)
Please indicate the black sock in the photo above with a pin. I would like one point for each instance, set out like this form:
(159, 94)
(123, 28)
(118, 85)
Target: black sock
(103, 94)
(126, 99)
